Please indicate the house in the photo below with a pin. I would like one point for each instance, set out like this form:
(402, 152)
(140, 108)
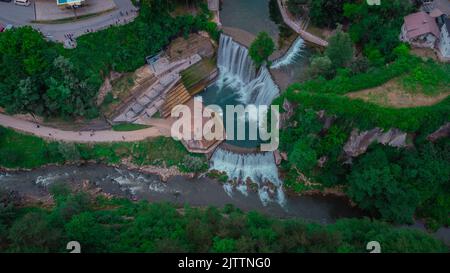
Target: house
(444, 43)
(420, 30)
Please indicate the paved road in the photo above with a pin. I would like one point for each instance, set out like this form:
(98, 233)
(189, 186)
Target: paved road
(19, 16)
(81, 137)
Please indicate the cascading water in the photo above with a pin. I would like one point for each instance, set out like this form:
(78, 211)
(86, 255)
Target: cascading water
(260, 168)
(237, 69)
(293, 53)
(233, 60)
(238, 78)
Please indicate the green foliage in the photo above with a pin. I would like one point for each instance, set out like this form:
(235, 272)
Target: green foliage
(321, 66)
(340, 48)
(377, 26)
(429, 78)
(375, 184)
(327, 13)
(403, 240)
(25, 151)
(120, 225)
(297, 7)
(122, 127)
(261, 48)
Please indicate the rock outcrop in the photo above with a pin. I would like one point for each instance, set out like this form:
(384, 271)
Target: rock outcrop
(289, 111)
(442, 132)
(326, 120)
(360, 141)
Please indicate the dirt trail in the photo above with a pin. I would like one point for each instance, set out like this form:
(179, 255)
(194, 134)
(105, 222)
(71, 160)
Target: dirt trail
(392, 94)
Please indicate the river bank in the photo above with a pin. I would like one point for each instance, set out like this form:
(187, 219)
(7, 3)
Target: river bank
(180, 190)
(33, 186)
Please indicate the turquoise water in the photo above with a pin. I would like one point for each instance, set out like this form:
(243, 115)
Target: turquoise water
(250, 15)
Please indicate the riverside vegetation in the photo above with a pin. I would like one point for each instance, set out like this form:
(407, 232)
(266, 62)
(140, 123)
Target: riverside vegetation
(120, 225)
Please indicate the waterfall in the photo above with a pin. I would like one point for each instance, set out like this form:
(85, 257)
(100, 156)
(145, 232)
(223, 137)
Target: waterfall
(233, 60)
(237, 69)
(294, 51)
(260, 168)
(253, 87)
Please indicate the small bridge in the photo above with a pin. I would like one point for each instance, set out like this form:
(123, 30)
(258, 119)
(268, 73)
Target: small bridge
(296, 26)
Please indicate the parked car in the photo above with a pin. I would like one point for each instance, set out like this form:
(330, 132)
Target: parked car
(2, 28)
(22, 2)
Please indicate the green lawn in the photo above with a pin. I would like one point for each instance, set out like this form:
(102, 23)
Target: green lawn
(122, 127)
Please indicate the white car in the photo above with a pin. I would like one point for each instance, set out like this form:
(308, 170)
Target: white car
(22, 2)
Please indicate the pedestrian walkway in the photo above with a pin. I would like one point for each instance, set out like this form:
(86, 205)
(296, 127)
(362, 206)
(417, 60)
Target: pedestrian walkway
(296, 26)
(102, 136)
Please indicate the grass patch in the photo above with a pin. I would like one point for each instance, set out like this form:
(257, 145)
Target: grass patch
(123, 127)
(26, 151)
(19, 150)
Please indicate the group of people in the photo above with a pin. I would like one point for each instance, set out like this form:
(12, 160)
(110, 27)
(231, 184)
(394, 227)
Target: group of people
(69, 40)
(91, 133)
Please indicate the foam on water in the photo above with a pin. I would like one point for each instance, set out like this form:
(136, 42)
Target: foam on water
(293, 53)
(260, 168)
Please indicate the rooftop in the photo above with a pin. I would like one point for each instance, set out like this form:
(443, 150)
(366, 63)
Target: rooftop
(420, 23)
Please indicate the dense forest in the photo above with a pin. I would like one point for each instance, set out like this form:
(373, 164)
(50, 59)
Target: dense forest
(119, 225)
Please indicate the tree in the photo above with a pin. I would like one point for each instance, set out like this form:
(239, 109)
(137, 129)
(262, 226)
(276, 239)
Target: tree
(261, 48)
(297, 7)
(327, 13)
(375, 184)
(320, 66)
(377, 26)
(340, 48)
(33, 233)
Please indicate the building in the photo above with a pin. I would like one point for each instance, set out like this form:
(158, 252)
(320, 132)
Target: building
(444, 43)
(420, 30)
(69, 2)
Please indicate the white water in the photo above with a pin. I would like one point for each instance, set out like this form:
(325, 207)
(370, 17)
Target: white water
(293, 53)
(238, 71)
(260, 168)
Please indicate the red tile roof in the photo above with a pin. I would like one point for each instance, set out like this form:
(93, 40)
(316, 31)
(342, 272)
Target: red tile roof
(420, 23)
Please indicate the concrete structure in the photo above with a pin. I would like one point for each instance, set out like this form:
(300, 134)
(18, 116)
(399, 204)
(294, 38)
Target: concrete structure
(69, 2)
(298, 27)
(420, 30)
(444, 43)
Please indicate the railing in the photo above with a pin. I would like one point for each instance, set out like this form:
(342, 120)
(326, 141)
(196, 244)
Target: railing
(298, 28)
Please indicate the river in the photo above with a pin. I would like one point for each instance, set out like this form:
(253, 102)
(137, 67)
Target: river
(178, 190)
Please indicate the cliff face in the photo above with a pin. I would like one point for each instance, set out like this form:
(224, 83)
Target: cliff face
(442, 132)
(358, 142)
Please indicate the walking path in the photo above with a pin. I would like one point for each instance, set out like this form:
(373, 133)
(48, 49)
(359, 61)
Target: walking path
(80, 136)
(297, 27)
